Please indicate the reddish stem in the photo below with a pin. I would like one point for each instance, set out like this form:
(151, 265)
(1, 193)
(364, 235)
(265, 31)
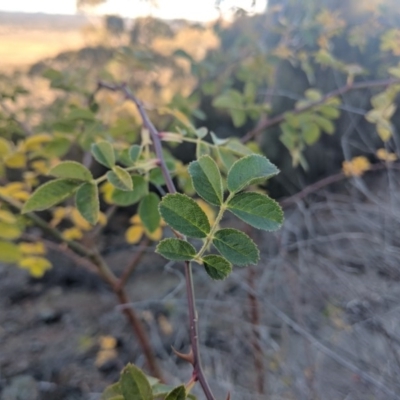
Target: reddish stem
(194, 336)
(268, 123)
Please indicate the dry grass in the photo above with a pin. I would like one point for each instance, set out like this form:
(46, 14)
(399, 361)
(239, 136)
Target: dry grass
(22, 47)
(28, 38)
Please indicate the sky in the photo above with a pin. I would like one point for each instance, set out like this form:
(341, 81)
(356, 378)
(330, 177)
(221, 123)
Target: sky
(200, 10)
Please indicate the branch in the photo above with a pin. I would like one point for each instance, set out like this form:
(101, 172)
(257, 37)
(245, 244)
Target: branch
(324, 349)
(98, 263)
(338, 92)
(133, 263)
(198, 372)
(149, 125)
(332, 354)
(314, 187)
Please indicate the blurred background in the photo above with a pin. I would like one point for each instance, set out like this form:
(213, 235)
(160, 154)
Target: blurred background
(319, 317)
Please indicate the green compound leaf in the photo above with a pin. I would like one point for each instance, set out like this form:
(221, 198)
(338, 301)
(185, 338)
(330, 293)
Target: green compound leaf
(207, 180)
(311, 133)
(184, 215)
(179, 393)
(217, 267)
(127, 198)
(103, 152)
(176, 249)
(134, 152)
(120, 178)
(71, 170)
(250, 170)
(325, 124)
(9, 252)
(87, 202)
(236, 247)
(257, 210)
(134, 384)
(50, 194)
(148, 212)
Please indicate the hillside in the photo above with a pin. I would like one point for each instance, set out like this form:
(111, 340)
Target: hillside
(26, 38)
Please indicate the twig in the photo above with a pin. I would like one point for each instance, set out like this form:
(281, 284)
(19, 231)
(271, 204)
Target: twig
(338, 92)
(84, 262)
(314, 187)
(258, 352)
(133, 263)
(198, 373)
(330, 353)
(324, 349)
(108, 276)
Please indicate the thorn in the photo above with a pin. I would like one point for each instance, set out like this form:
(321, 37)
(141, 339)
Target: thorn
(229, 396)
(187, 357)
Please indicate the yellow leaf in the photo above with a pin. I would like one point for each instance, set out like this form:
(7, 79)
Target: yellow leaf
(323, 42)
(30, 178)
(11, 188)
(107, 190)
(36, 266)
(105, 355)
(135, 219)
(16, 160)
(356, 167)
(79, 221)
(179, 115)
(165, 326)
(102, 219)
(134, 233)
(207, 209)
(36, 141)
(21, 195)
(391, 41)
(40, 167)
(32, 248)
(5, 147)
(9, 231)
(15, 190)
(9, 252)
(330, 21)
(385, 130)
(384, 155)
(108, 342)
(72, 234)
(389, 111)
(107, 350)
(283, 52)
(374, 116)
(7, 217)
(156, 235)
(59, 213)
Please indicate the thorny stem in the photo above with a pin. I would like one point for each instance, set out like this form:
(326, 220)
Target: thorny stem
(268, 123)
(198, 373)
(108, 276)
